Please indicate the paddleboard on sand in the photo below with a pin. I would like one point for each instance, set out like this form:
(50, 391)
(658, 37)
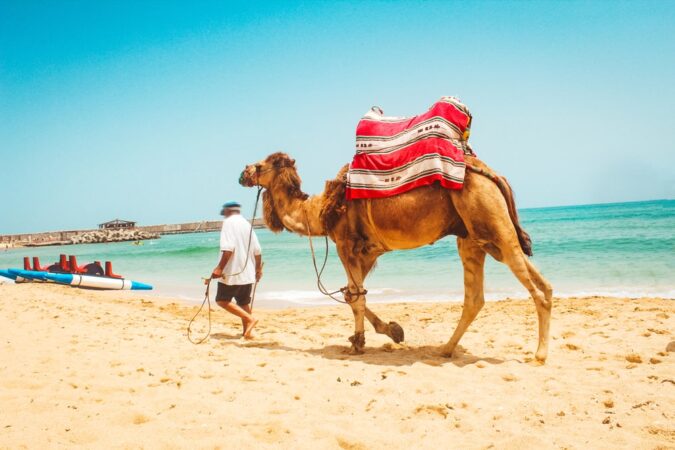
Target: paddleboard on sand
(75, 280)
(16, 275)
(28, 275)
(7, 274)
(96, 282)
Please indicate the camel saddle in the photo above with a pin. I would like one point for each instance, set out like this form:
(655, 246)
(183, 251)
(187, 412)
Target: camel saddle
(397, 154)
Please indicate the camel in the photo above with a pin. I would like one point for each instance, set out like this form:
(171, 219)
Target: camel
(482, 215)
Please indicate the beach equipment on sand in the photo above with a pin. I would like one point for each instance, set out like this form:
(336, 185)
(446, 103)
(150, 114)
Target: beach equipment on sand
(90, 281)
(96, 282)
(17, 276)
(28, 275)
(7, 274)
(69, 264)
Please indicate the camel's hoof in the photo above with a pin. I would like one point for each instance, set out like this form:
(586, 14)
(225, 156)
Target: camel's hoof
(355, 351)
(358, 342)
(396, 332)
(447, 353)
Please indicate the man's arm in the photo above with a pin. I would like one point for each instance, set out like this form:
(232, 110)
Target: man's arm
(258, 267)
(224, 258)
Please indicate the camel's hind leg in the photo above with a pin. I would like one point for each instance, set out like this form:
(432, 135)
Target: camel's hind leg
(473, 260)
(544, 307)
(485, 213)
(539, 289)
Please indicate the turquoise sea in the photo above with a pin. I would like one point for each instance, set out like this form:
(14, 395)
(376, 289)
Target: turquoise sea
(622, 249)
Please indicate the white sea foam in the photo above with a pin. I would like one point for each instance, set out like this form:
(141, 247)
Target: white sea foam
(390, 295)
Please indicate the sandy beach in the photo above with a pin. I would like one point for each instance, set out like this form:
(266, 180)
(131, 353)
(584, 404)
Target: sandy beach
(115, 370)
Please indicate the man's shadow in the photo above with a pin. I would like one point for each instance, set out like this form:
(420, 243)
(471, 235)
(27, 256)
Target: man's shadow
(226, 337)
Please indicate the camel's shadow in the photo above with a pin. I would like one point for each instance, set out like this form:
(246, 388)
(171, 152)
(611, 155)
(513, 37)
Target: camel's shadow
(403, 356)
(387, 355)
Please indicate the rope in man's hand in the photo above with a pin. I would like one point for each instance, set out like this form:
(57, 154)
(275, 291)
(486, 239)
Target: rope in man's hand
(207, 300)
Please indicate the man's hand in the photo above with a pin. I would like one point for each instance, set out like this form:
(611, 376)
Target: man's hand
(258, 274)
(217, 272)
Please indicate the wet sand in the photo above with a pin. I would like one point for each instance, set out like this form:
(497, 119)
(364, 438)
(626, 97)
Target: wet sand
(115, 370)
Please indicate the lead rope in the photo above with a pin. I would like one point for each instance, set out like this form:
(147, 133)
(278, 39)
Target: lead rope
(318, 272)
(207, 298)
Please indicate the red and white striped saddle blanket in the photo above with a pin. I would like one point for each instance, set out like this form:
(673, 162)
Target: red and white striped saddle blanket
(395, 154)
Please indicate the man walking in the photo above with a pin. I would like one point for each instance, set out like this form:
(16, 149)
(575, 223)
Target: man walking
(239, 267)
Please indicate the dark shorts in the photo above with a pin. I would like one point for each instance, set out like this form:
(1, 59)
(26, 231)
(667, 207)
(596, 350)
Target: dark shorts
(240, 292)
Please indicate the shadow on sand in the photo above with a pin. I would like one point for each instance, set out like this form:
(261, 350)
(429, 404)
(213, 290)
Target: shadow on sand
(384, 356)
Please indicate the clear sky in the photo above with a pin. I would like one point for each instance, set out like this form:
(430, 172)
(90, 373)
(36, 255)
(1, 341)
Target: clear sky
(148, 111)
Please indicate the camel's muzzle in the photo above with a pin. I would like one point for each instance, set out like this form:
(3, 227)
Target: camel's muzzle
(244, 179)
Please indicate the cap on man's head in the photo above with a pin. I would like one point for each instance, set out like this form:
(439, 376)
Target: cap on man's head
(231, 205)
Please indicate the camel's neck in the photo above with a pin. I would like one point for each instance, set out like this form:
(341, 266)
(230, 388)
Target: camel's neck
(299, 215)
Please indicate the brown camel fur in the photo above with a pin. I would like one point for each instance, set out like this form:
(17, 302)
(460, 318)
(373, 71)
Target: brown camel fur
(482, 215)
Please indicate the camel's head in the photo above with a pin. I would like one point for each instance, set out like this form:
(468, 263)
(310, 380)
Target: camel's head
(264, 172)
(277, 175)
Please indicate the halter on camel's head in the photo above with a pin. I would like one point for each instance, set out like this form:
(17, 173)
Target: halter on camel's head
(278, 176)
(264, 172)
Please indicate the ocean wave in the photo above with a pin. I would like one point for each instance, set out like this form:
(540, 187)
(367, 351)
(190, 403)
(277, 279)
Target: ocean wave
(196, 250)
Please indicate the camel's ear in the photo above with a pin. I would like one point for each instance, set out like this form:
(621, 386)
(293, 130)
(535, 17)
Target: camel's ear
(292, 162)
(270, 216)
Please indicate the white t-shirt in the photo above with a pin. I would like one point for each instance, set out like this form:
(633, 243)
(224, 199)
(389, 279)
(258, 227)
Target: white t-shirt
(234, 238)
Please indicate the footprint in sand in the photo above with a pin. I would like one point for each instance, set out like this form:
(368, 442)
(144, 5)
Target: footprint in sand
(432, 410)
(348, 445)
(139, 419)
(634, 358)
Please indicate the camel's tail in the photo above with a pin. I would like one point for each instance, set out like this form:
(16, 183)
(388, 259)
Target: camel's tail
(523, 237)
(507, 192)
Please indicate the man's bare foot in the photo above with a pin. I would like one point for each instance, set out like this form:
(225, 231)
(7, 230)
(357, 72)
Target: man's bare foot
(249, 328)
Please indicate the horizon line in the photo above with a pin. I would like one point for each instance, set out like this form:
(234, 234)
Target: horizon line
(261, 218)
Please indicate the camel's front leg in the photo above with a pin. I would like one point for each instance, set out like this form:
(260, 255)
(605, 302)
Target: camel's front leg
(391, 329)
(358, 304)
(354, 294)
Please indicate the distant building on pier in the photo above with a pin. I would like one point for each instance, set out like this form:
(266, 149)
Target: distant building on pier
(117, 224)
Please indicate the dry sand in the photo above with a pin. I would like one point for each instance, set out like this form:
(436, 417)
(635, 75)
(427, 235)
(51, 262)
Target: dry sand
(115, 370)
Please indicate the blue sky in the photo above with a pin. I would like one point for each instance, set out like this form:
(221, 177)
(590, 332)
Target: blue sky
(149, 110)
